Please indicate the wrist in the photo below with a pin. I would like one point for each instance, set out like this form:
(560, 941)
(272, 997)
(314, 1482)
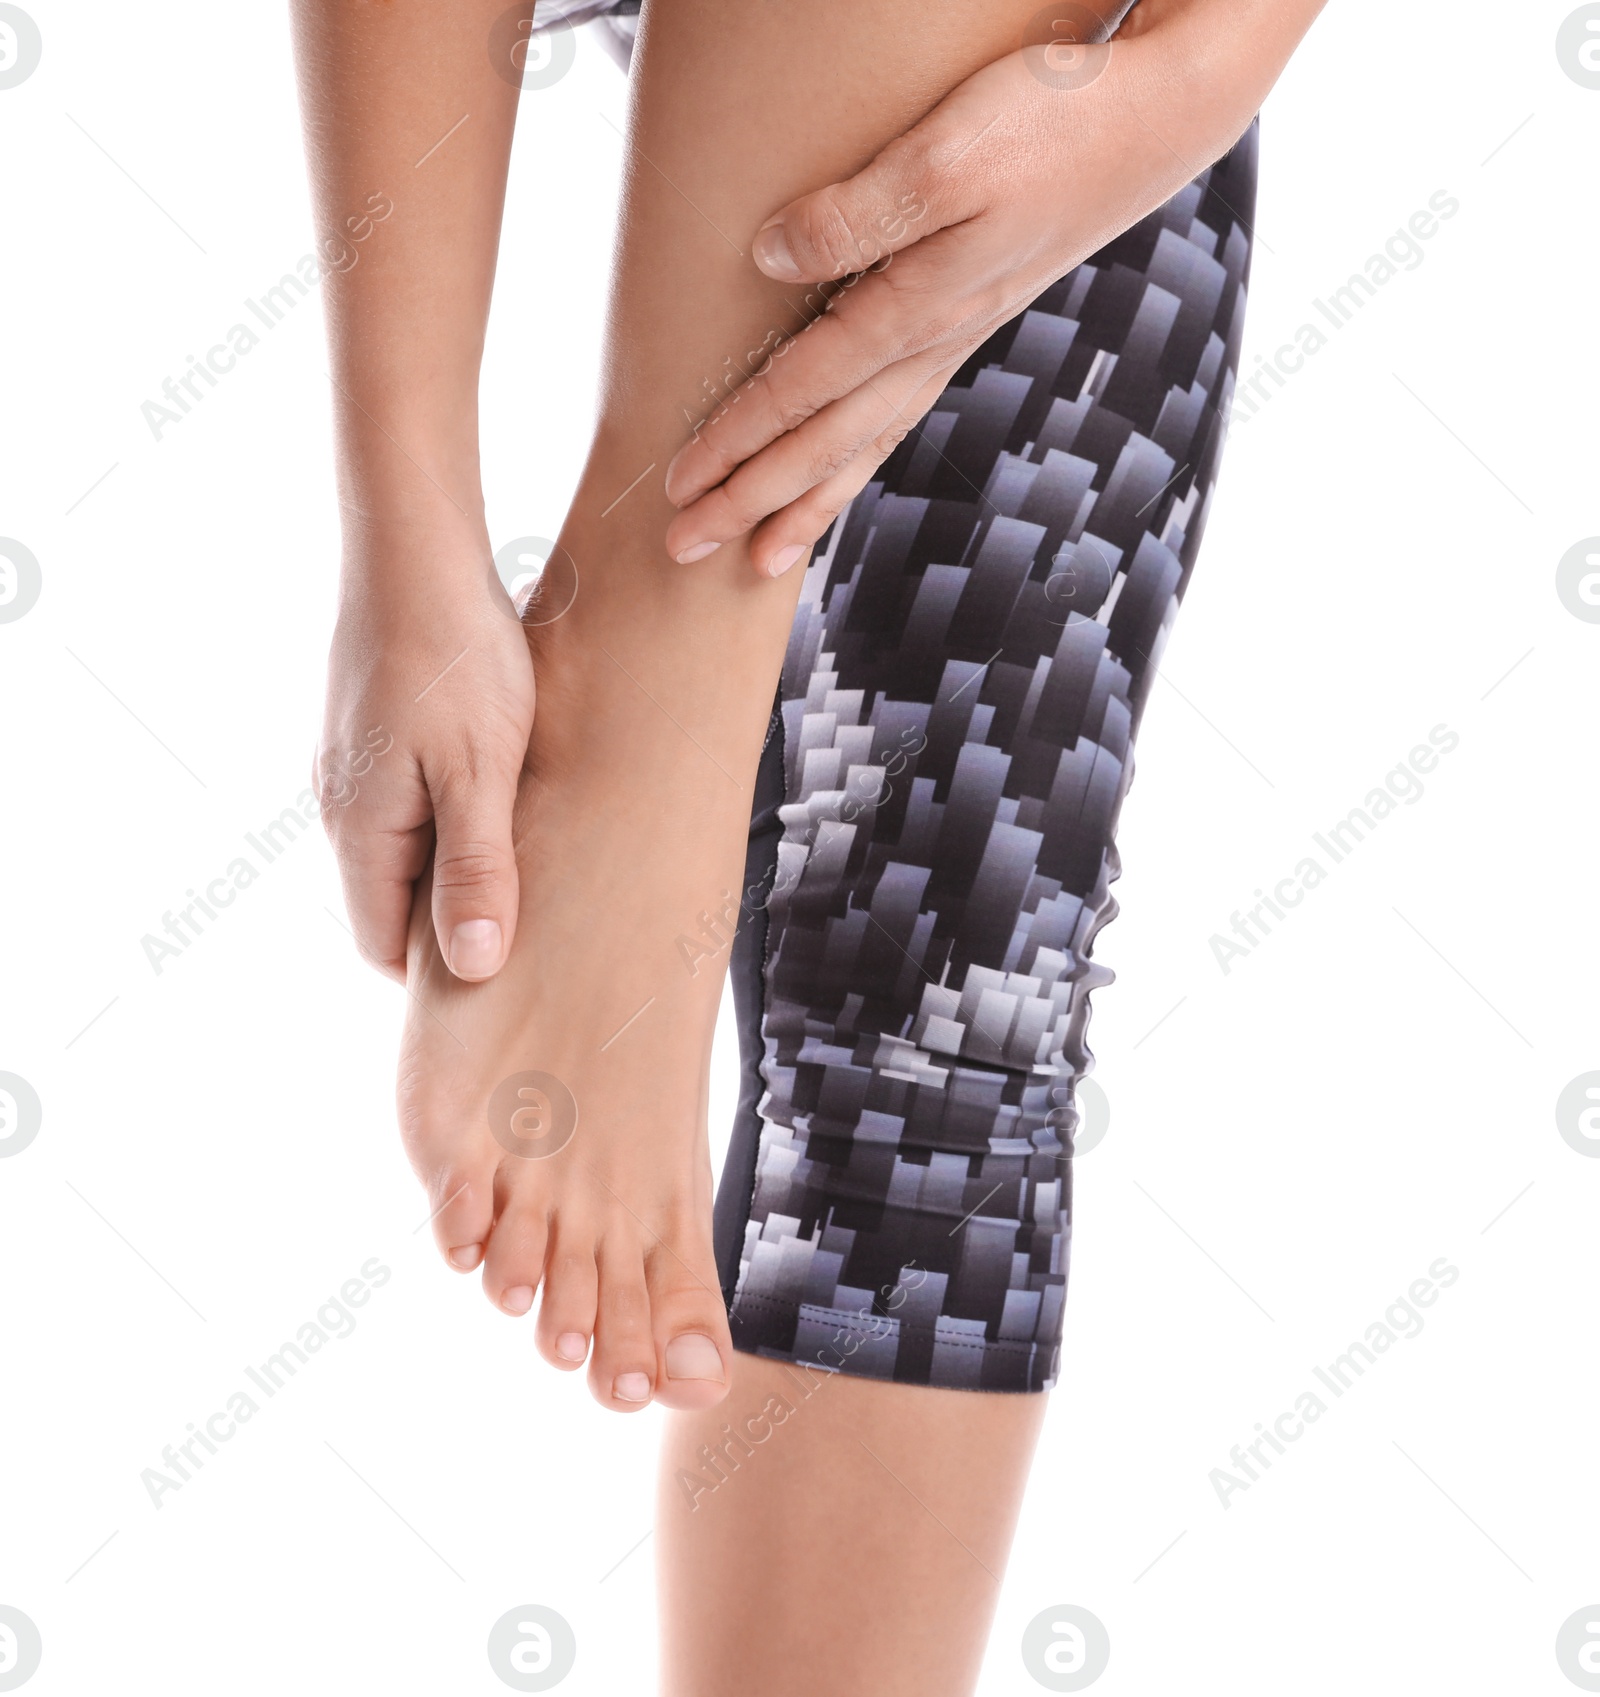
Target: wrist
(401, 549)
(404, 478)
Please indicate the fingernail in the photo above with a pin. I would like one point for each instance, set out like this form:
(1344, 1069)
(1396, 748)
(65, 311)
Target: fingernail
(772, 253)
(467, 1256)
(475, 948)
(693, 1357)
(784, 558)
(698, 552)
(669, 483)
(517, 1300)
(572, 1346)
(632, 1387)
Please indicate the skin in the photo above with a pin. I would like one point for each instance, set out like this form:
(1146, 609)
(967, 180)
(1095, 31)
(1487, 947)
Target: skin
(953, 251)
(594, 845)
(379, 87)
(900, 1494)
(963, 202)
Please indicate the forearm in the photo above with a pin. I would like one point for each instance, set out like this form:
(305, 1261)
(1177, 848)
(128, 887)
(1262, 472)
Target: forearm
(403, 110)
(1217, 61)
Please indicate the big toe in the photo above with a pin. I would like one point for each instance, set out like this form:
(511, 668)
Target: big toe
(694, 1352)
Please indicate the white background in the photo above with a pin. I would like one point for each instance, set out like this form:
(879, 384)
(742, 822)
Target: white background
(1292, 1146)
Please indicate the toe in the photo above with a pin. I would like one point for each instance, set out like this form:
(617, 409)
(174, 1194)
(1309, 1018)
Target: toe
(456, 1166)
(622, 1372)
(693, 1348)
(571, 1293)
(513, 1264)
(462, 1202)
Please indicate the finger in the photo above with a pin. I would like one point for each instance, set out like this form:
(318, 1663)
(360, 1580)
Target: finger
(875, 321)
(378, 872)
(811, 454)
(785, 538)
(905, 194)
(379, 860)
(474, 867)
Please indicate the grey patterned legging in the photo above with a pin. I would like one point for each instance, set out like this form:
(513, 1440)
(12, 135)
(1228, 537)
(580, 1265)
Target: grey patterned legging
(933, 845)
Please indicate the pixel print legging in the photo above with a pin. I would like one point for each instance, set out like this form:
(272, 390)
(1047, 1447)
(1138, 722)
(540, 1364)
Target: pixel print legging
(932, 845)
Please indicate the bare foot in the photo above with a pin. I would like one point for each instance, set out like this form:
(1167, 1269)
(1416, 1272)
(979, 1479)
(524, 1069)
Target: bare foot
(556, 1114)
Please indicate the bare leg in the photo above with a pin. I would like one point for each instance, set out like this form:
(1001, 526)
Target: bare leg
(816, 1532)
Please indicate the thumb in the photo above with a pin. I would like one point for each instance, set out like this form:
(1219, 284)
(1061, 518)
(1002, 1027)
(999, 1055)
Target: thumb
(897, 200)
(474, 871)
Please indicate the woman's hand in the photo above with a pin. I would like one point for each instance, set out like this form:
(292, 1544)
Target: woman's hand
(429, 710)
(430, 687)
(1030, 166)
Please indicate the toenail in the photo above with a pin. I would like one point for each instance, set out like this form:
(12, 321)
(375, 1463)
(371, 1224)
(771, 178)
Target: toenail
(475, 948)
(693, 1356)
(632, 1387)
(517, 1300)
(467, 1256)
(572, 1346)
